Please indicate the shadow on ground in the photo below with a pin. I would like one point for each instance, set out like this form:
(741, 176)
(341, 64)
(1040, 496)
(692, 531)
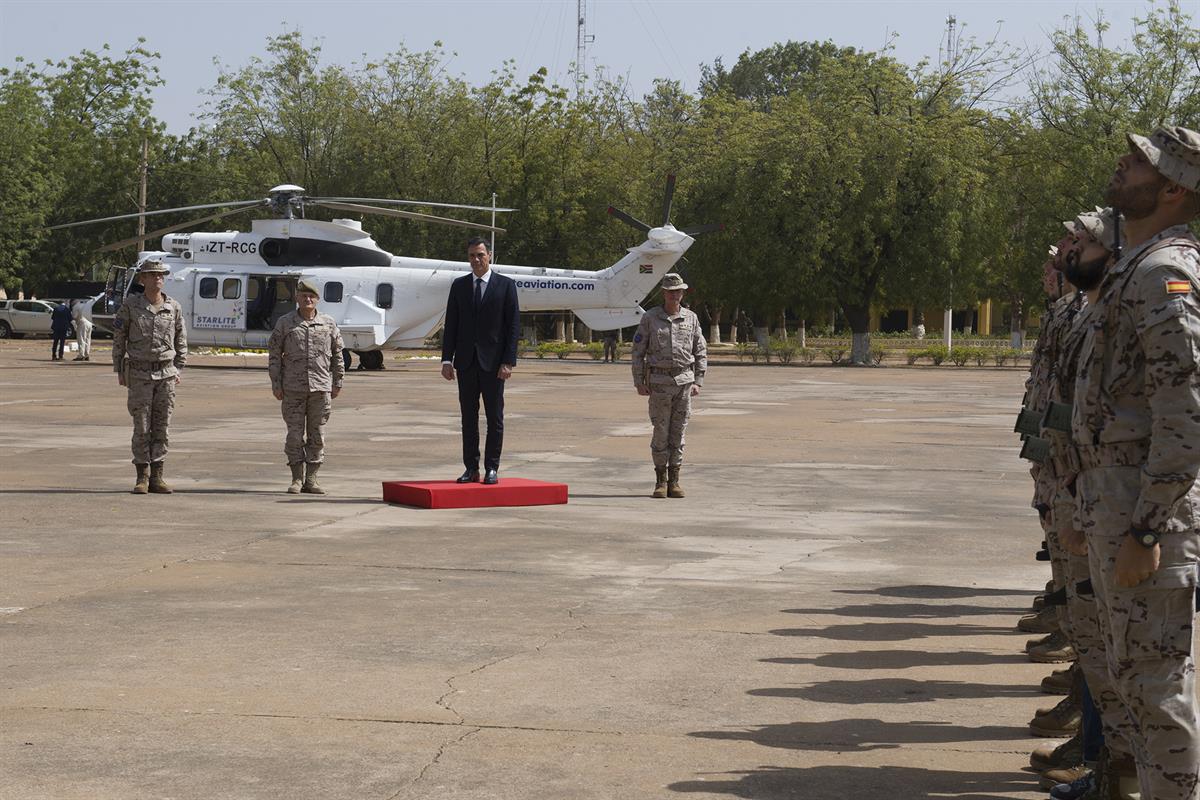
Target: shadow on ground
(830, 783)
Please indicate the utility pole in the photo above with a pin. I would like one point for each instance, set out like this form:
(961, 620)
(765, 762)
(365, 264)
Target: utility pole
(141, 228)
(493, 247)
(582, 40)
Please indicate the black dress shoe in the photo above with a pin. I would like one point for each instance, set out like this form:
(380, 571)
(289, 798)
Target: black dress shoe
(470, 476)
(490, 477)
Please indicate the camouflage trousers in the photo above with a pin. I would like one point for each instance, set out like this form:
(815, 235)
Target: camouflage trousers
(1081, 624)
(150, 404)
(670, 409)
(1147, 633)
(305, 414)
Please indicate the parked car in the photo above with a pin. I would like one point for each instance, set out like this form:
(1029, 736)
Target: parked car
(26, 317)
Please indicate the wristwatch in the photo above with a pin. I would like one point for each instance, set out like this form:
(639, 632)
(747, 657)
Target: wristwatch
(1146, 538)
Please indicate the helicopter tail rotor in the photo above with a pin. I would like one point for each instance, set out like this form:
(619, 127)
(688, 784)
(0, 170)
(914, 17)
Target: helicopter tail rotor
(668, 198)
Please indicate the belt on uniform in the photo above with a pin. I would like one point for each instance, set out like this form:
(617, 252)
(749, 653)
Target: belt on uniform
(672, 371)
(1113, 454)
(1065, 459)
(150, 365)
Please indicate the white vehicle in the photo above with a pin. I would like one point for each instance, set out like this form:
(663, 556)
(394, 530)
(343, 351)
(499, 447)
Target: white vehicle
(234, 286)
(26, 318)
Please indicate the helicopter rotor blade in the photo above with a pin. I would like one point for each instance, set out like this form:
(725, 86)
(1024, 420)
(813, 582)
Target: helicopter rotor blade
(696, 230)
(169, 229)
(670, 194)
(631, 221)
(153, 213)
(403, 203)
(390, 212)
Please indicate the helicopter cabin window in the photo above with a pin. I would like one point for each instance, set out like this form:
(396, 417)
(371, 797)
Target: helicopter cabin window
(383, 295)
(231, 289)
(208, 288)
(333, 292)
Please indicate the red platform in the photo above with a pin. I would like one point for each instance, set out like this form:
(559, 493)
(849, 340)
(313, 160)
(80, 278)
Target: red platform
(451, 494)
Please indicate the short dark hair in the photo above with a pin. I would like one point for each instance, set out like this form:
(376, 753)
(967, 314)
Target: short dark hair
(474, 240)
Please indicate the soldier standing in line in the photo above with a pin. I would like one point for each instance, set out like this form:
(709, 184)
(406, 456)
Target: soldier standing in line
(305, 362)
(1084, 263)
(149, 349)
(1135, 424)
(670, 358)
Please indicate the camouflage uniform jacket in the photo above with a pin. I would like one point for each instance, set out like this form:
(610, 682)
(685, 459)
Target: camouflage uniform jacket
(149, 341)
(306, 355)
(1038, 386)
(1137, 391)
(669, 349)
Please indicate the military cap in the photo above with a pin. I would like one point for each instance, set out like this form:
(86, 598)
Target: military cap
(305, 285)
(1100, 224)
(153, 266)
(1174, 152)
(673, 280)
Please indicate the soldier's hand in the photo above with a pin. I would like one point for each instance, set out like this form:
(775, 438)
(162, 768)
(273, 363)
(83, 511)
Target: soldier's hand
(643, 390)
(278, 393)
(1074, 542)
(1135, 563)
(333, 392)
(178, 379)
(448, 371)
(695, 390)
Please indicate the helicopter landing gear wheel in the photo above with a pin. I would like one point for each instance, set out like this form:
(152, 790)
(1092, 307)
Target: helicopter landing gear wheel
(371, 359)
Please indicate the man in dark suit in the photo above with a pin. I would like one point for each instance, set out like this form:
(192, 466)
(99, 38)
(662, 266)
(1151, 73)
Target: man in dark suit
(479, 345)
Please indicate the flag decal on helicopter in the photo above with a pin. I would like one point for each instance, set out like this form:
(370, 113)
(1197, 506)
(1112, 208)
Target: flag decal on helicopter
(645, 269)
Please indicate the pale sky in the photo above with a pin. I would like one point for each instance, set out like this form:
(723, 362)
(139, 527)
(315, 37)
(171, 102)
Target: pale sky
(643, 39)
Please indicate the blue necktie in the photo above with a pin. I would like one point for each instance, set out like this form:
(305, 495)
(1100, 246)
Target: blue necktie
(478, 292)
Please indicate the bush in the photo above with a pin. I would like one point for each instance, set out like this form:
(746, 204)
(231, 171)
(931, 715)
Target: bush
(937, 354)
(1001, 357)
(876, 355)
(913, 356)
(807, 354)
(980, 355)
(595, 350)
(745, 349)
(544, 349)
(783, 349)
(835, 354)
(959, 356)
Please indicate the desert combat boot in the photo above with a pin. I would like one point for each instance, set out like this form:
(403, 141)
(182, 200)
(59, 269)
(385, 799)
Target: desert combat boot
(143, 479)
(673, 487)
(297, 478)
(660, 483)
(157, 484)
(310, 479)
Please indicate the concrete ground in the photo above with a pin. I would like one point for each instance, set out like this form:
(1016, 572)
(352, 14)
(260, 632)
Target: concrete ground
(829, 613)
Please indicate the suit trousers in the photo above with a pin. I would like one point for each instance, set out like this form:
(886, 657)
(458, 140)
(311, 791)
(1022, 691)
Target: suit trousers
(473, 383)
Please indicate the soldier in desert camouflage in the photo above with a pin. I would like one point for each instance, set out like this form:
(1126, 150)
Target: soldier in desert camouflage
(670, 358)
(305, 363)
(149, 350)
(1136, 428)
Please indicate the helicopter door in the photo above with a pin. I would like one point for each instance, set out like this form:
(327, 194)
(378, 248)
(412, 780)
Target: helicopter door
(219, 303)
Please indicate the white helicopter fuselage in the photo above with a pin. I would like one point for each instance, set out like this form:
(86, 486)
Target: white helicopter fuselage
(233, 286)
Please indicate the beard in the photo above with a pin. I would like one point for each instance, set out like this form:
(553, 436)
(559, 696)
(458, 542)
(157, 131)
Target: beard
(1085, 275)
(1134, 202)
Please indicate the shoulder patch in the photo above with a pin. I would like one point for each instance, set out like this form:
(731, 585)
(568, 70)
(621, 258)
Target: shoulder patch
(637, 337)
(117, 322)
(1178, 287)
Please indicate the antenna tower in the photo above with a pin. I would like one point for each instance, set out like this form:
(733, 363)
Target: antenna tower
(582, 40)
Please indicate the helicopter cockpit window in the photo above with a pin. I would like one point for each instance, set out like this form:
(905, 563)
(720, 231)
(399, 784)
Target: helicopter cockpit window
(231, 289)
(333, 292)
(208, 288)
(383, 295)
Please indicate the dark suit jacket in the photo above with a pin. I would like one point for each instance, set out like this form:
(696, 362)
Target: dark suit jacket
(491, 334)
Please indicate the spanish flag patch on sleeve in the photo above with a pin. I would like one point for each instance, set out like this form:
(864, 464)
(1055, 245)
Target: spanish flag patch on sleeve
(1179, 287)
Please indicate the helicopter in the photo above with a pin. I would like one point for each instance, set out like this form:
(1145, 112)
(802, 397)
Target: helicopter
(234, 285)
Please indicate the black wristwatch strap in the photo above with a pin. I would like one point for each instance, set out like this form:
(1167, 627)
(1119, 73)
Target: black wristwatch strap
(1145, 537)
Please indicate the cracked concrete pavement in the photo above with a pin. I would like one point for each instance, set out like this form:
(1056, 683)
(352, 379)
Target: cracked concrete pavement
(828, 614)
